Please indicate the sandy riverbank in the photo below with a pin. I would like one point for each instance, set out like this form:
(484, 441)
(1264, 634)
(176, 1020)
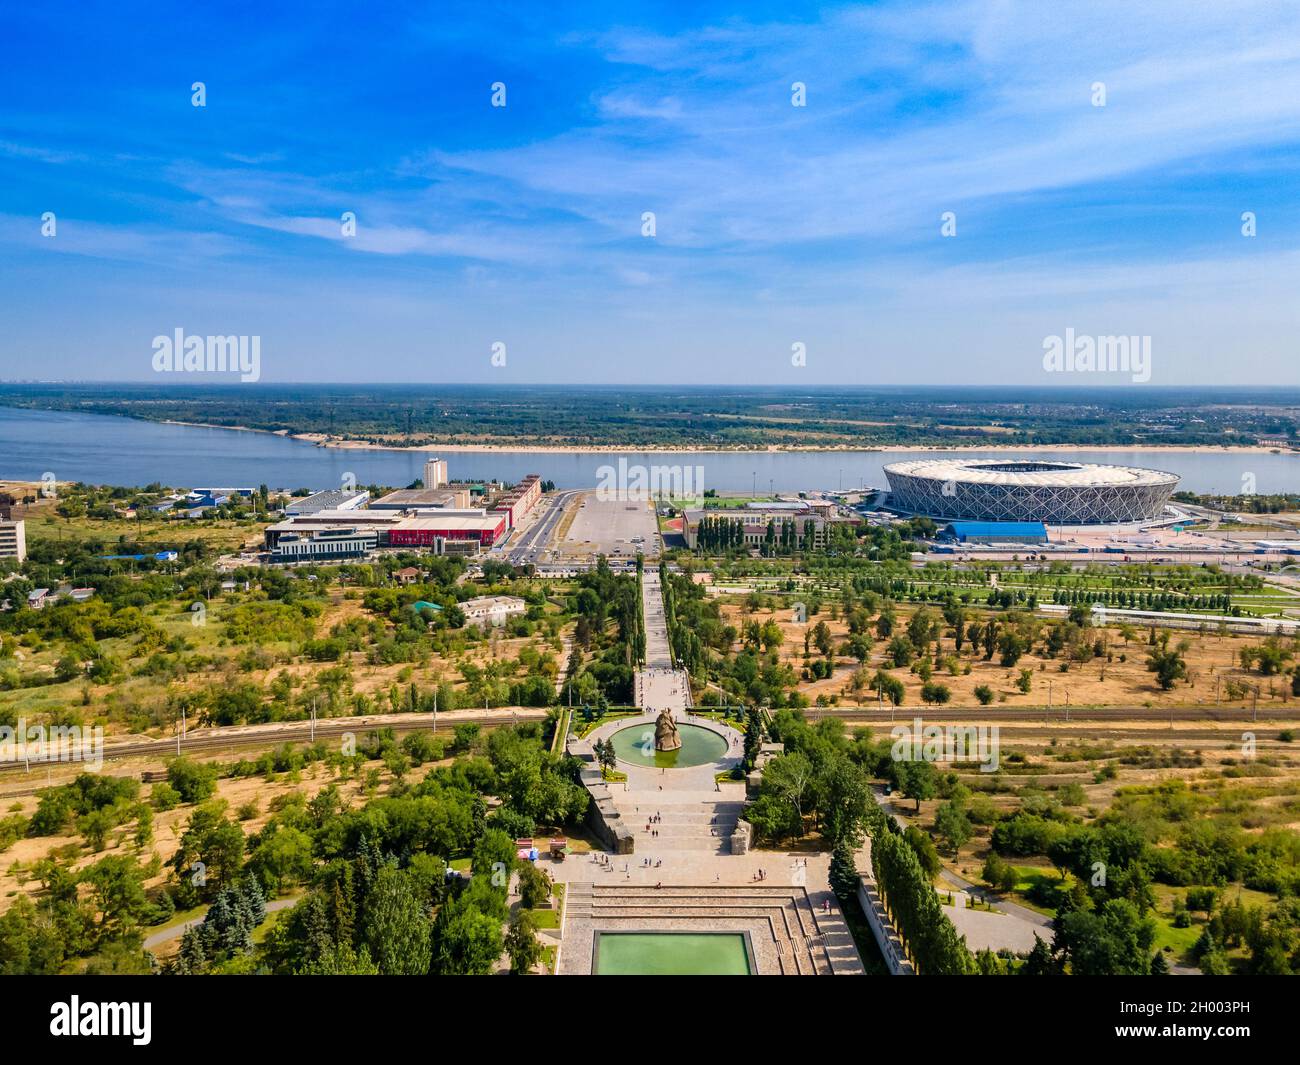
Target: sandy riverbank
(324, 440)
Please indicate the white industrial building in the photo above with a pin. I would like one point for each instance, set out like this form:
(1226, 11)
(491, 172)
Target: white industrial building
(334, 499)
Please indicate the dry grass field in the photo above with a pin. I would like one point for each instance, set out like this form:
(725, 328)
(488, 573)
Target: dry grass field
(1119, 678)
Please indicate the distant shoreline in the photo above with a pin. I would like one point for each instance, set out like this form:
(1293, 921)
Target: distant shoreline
(324, 440)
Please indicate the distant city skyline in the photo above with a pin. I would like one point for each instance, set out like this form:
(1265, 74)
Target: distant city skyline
(127, 213)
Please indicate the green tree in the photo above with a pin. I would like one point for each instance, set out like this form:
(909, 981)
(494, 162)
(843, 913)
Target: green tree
(844, 876)
(534, 885)
(193, 781)
(917, 780)
(952, 825)
(282, 857)
(494, 859)
(1168, 664)
(117, 888)
(522, 945)
(1114, 941)
(396, 929)
(211, 851)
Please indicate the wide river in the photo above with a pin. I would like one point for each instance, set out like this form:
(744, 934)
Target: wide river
(102, 449)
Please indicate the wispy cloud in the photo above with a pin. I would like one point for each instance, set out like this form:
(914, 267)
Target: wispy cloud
(530, 217)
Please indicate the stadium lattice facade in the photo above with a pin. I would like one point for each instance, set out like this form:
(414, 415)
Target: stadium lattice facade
(1059, 493)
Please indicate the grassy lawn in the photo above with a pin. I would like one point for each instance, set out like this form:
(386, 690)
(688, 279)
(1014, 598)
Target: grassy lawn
(1179, 940)
(546, 918)
(179, 919)
(220, 535)
(1029, 877)
(562, 727)
(272, 919)
(582, 728)
(714, 715)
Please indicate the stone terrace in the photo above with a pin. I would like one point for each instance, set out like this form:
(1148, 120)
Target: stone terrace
(789, 933)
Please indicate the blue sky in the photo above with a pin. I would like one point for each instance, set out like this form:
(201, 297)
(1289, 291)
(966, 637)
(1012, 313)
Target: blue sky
(775, 224)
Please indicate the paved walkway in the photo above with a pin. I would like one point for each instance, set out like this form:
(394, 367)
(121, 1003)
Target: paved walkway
(176, 931)
(658, 653)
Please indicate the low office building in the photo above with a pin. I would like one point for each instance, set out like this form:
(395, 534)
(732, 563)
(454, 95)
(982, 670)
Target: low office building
(13, 539)
(492, 609)
(324, 544)
(806, 526)
(380, 521)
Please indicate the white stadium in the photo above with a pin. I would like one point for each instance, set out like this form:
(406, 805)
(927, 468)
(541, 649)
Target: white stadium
(1058, 493)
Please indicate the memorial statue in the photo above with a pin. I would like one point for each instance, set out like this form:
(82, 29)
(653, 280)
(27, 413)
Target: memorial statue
(666, 737)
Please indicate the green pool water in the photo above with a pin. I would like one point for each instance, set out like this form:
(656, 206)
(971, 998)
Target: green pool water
(699, 745)
(670, 954)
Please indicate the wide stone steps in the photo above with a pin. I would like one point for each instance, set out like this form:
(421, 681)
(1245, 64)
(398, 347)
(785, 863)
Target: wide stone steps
(682, 828)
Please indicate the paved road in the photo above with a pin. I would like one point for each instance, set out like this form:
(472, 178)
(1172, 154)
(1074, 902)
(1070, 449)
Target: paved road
(534, 542)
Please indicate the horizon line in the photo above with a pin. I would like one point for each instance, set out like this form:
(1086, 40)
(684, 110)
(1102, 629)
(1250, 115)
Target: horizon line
(1062, 387)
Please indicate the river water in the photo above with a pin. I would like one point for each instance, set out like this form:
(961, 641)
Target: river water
(103, 449)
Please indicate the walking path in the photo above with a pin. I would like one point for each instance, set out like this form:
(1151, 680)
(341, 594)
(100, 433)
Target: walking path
(176, 931)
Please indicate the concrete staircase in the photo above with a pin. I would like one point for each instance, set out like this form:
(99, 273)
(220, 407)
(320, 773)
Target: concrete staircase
(690, 821)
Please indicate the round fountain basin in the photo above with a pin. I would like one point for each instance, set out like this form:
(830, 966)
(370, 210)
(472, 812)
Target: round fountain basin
(699, 747)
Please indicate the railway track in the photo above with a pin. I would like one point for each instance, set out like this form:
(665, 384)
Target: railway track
(1058, 715)
(263, 736)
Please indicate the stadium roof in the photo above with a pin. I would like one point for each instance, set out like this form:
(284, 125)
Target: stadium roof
(1044, 473)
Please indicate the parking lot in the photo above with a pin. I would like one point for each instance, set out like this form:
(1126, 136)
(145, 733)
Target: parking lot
(610, 527)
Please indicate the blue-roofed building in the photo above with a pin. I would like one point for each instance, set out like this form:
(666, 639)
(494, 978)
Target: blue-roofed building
(997, 532)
